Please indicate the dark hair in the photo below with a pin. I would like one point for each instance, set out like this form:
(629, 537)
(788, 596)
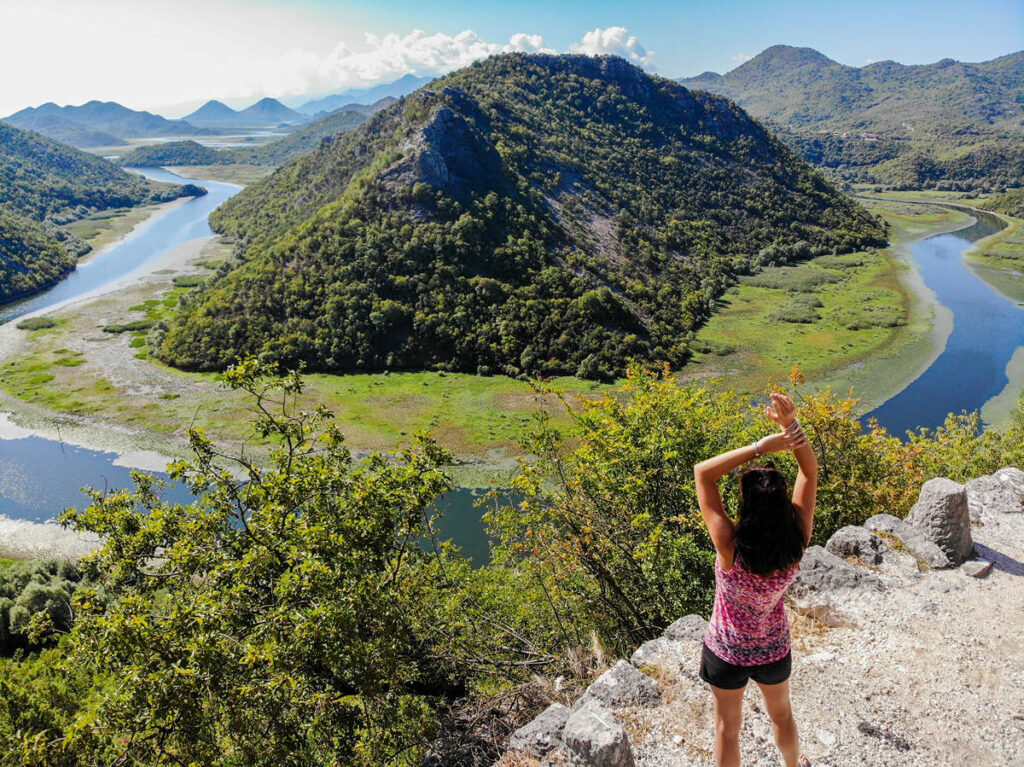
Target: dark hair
(769, 536)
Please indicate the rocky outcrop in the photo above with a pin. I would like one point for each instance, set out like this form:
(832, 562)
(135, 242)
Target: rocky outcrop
(885, 603)
(941, 515)
(621, 685)
(543, 734)
(925, 551)
(826, 585)
(995, 494)
(593, 736)
(853, 541)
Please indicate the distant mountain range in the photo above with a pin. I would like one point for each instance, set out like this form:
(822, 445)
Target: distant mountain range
(400, 87)
(948, 125)
(277, 152)
(801, 87)
(97, 117)
(265, 112)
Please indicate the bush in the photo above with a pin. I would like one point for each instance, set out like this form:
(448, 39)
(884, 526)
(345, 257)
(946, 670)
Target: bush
(37, 323)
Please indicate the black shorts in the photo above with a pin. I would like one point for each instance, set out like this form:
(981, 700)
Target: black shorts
(729, 676)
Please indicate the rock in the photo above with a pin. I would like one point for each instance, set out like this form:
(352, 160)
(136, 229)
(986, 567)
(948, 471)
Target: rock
(823, 571)
(593, 737)
(621, 685)
(852, 541)
(688, 627)
(824, 586)
(976, 568)
(941, 514)
(543, 734)
(675, 657)
(998, 493)
(911, 537)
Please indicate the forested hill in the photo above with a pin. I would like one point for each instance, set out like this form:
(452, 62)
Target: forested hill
(950, 124)
(44, 184)
(531, 213)
(802, 87)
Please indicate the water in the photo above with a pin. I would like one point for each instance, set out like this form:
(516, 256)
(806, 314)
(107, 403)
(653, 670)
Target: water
(155, 238)
(40, 477)
(987, 329)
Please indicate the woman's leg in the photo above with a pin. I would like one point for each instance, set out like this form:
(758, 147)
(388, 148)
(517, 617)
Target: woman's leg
(776, 701)
(728, 718)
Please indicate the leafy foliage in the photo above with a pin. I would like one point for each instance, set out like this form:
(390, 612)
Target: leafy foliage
(467, 227)
(295, 613)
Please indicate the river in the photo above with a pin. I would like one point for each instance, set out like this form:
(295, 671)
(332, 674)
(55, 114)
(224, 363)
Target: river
(987, 330)
(39, 477)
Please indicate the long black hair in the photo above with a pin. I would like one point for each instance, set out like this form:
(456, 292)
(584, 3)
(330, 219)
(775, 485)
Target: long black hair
(769, 536)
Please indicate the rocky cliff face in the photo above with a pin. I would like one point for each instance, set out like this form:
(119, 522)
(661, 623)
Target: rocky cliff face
(906, 651)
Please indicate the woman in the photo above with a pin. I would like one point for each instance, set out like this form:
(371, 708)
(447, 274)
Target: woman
(757, 557)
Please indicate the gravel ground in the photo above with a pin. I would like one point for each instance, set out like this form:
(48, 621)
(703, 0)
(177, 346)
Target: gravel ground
(930, 672)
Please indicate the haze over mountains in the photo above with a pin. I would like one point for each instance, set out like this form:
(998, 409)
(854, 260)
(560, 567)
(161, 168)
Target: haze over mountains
(527, 213)
(266, 111)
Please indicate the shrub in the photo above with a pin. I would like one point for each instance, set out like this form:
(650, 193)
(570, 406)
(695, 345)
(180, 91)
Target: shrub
(37, 323)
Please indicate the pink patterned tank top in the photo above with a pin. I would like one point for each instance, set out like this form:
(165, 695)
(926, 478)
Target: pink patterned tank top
(748, 624)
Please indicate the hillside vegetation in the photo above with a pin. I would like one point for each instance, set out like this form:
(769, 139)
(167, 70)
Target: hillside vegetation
(553, 214)
(43, 185)
(949, 123)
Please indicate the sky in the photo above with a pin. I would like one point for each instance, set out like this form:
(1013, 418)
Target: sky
(169, 56)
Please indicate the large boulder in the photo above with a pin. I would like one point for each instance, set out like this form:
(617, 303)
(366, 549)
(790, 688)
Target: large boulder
(543, 734)
(621, 685)
(998, 493)
(593, 737)
(913, 539)
(688, 627)
(827, 587)
(941, 514)
(853, 541)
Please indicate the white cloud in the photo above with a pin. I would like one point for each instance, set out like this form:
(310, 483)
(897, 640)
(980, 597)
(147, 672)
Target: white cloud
(870, 61)
(617, 41)
(160, 52)
(388, 57)
(739, 58)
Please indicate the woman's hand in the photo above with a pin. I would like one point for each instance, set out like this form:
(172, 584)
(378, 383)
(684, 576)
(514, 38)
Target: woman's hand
(782, 410)
(780, 443)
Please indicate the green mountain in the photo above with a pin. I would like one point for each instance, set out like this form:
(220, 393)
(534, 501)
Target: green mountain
(44, 184)
(915, 125)
(185, 152)
(531, 213)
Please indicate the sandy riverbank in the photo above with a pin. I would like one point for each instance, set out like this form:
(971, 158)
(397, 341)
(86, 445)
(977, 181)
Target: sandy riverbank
(134, 449)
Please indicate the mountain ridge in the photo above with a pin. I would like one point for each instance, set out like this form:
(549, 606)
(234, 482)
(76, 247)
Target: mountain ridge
(549, 240)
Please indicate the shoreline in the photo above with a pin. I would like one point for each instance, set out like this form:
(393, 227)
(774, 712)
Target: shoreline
(134, 449)
(925, 307)
(156, 212)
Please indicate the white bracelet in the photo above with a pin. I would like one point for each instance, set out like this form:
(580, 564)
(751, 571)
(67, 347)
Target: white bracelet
(757, 449)
(793, 426)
